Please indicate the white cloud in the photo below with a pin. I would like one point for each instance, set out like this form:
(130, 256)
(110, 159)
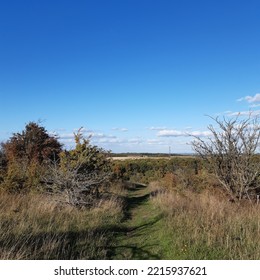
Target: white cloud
(156, 128)
(179, 133)
(244, 113)
(155, 142)
(255, 105)
(66, 136)
(97, 135)
(122, 129)
(171, 133)
(109, 141)
(135, 141)
(250, 99)
(201, 133)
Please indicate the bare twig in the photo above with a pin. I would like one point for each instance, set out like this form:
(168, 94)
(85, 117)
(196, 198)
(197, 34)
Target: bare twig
(231, 154)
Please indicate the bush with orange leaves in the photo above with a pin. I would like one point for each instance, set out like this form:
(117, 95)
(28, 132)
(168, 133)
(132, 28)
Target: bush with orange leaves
(25, 155)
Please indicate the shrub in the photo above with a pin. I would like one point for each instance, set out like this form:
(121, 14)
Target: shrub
(79, 175)
(2, 164)
(26, 155)
(34, 144)
(231, 155)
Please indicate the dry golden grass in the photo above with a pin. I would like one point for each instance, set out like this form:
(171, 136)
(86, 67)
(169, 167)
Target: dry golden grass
(207, 226)
(35, 226)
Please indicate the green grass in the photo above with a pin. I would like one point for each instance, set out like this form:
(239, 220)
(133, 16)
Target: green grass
(152, 223)
(138, 236)
(188, 225)
(203, 226)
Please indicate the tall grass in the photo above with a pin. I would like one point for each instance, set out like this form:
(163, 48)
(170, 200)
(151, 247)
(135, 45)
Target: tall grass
(35, 226)
(207, 226)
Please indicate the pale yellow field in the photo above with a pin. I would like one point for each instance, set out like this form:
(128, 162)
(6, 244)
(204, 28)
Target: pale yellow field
(151, 157)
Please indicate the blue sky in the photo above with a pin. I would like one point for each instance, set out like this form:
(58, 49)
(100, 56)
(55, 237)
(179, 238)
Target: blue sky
(136, 74)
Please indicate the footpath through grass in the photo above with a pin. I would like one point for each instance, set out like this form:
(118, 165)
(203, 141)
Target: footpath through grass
(140, 235)
(169, 225)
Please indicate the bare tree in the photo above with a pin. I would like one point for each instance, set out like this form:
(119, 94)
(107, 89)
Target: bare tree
(231, 153)
(73, 187)
(79, 173)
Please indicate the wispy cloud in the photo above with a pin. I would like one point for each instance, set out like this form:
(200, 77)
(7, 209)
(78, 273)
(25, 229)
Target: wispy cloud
(244, 113)
(171, 133)
(180, 133)
(122, 129)
(156, 128)
(255, 105)
(95, 137)
(101, 135)
(160, 141)
(66, 136)
(154, 142)
(135, 141)
(250, 99)
(109, 141)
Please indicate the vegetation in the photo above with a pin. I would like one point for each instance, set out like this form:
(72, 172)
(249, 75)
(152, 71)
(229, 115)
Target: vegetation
(231, 154)
(36, 226)
(150, 169)
(79, 174)
(44, 193)
(81, 204)
(25, 155)
(208, 226)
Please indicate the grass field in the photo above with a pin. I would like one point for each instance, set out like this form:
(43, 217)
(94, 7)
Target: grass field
(37, 227)
(207, 226)
(141, 222)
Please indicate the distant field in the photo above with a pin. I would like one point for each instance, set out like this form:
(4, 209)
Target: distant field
(128, 157)
(133, 157)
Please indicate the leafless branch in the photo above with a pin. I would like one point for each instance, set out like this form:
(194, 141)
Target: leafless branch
(231, 154)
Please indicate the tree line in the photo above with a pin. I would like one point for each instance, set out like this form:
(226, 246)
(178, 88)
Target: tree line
(34, 160)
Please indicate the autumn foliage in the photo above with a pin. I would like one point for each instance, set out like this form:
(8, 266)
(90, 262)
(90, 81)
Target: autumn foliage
(24, 156)
(33, 160)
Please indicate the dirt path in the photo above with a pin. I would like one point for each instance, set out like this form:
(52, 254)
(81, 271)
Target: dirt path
(138, 235)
